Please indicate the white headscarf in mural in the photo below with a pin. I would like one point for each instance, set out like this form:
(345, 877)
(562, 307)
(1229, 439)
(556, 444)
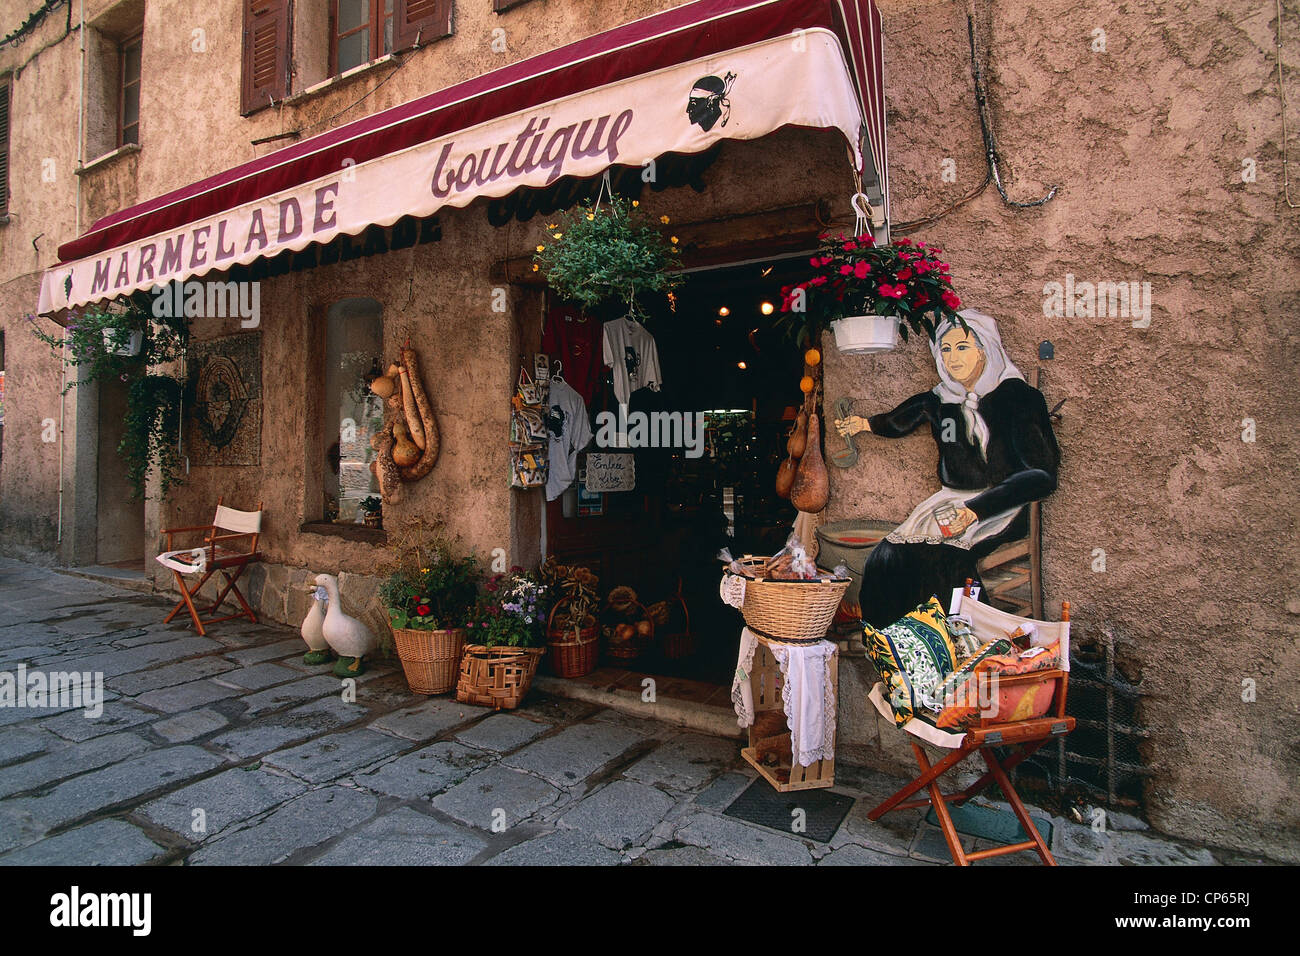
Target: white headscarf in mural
(998, 367)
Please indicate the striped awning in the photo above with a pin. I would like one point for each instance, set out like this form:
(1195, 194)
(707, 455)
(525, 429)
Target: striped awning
(677, 81)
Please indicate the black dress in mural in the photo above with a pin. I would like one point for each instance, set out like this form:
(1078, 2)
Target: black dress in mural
(997, 453)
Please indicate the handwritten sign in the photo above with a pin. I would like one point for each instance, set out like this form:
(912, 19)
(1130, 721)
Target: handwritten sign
(610, 472)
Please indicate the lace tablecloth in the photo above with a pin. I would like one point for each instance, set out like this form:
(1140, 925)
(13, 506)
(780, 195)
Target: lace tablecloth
(807, 694)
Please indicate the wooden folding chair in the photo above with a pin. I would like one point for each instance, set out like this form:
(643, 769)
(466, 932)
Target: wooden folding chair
(218, 554)
(1023, 737)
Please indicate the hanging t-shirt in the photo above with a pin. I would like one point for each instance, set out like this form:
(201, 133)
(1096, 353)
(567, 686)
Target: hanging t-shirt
(631, 352)
(570, 431)
(574, 340)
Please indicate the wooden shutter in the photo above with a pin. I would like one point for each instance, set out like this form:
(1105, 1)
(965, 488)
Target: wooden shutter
(266, 53)
(4, 147)
(426, 19)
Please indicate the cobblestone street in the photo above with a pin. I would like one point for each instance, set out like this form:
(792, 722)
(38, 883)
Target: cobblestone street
(227, 749)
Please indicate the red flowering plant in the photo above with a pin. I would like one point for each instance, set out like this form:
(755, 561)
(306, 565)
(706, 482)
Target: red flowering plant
(438, 596)
(853, 276)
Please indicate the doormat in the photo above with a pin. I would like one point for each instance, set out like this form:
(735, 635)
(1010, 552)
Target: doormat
(990, 823)
(823, 811)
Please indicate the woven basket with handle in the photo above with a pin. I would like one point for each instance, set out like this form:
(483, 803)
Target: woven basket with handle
(679, 644)
(573, 650)
(788, 610)
(430, 659)
(497, 677)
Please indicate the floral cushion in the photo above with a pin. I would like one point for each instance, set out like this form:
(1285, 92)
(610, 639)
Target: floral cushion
(912, 655)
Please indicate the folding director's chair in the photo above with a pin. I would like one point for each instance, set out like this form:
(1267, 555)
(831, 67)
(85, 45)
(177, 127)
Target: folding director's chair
(1024, 737)
(218, 554)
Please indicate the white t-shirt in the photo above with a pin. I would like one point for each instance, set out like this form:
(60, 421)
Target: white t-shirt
(631, 352)
(570, 431)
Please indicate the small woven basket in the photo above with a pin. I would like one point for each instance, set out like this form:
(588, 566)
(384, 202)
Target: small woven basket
(497, 677)
(680, 643)
(430, 659)
(789, 610)
(634, 646)
(573, 652)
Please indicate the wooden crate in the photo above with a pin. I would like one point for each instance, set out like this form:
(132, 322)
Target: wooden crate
(769, 733)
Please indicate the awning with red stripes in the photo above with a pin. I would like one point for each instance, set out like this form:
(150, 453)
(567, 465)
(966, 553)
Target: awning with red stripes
(677, 81)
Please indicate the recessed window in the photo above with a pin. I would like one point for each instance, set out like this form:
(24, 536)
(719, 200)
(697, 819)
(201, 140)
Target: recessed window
(354, 341)
(128, 122)
(362, 31)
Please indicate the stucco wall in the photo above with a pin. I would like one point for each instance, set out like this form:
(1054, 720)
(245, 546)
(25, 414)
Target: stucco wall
(1146, 142)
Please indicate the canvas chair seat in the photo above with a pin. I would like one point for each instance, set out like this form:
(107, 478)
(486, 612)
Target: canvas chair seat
(229, 544)
(1022, 737)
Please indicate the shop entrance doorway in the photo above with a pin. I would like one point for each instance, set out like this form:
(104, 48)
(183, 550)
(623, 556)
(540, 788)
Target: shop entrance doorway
(728, 363)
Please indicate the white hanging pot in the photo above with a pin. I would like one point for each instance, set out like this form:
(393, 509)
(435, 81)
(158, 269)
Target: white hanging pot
(131, 348)
(865, 334)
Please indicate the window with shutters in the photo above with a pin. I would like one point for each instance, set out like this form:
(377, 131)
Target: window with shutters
(266, 54)
(128, 114)
(360, 31)
(5, 86)
(419, 21)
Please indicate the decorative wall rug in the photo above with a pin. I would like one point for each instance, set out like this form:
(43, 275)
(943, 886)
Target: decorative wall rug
(824, 811)
(225, 424)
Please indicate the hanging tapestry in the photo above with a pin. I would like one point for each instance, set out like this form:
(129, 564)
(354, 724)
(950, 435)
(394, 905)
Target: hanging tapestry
(225, 423)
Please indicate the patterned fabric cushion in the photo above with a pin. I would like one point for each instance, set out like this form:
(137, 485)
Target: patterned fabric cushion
(959, 696)
(912, 656)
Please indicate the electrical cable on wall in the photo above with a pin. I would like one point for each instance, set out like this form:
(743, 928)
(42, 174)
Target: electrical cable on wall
(991, 155)
(1281, 95)
(34, 20)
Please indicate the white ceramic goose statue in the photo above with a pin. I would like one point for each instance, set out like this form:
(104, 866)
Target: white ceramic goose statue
(318, 649)
(350, 639)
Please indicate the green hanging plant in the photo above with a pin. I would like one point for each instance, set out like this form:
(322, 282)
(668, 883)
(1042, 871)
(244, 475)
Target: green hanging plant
(608, 252)
(120, 341)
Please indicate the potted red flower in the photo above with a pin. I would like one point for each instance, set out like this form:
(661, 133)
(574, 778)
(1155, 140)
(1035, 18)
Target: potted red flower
(872, 294)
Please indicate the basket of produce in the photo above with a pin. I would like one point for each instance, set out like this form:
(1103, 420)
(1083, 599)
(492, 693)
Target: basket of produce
(631, 631)
(786, 597)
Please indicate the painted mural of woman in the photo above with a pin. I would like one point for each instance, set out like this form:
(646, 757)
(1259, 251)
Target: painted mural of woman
(997, 453)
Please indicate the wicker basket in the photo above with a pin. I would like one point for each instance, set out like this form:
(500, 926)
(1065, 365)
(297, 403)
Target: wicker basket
(789, 610)
(430, 659)
(682, 643)
(497, 677)
(573, 652)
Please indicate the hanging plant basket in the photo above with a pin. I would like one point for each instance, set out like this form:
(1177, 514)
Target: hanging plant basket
(865, 334)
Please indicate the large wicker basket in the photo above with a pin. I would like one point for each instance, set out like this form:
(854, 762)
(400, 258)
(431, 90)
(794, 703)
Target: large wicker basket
(497, 677)
(789, 610)
(573, 652)
(430, 659)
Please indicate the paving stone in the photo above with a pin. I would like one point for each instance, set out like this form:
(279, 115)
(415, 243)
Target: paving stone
(502, 732)
(575, 753)
(619, 814)
(257, 676)
(291, 727)
(230, 797)
(1125, 848)
(149, 635)
(930, 844)
(424, 772)
(475, 800)
(18, 827)
(684, 856)
(893, 833)
(183, 727)
(731, 838)
(117, 715)
(302, 823)
(405, 837)
(719, 794)
(685, 762)
(257, 653)
(329, 757)
(560, 848)
(169, 675)
(288, 695)
(428, 719)
(114, 662)
(854, 855)
(199, 693)
(558, 710)
(23, 742)
(120, 782)
(103, 843)
(67, 761)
